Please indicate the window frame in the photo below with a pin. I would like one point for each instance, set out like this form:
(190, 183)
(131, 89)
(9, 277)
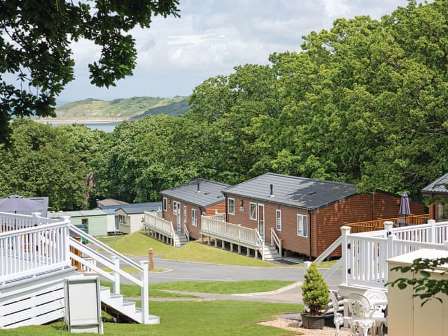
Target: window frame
(250, 211)
(278, 220)
(304, 232)
(228, 206)
(164, 204)
(194, 217)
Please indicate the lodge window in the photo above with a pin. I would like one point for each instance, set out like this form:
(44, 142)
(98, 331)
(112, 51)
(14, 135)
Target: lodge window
(194, 220)
(278, 220)
(241, 206)
(164, 203)
(231, 206)
(302, 225)
(253, 211)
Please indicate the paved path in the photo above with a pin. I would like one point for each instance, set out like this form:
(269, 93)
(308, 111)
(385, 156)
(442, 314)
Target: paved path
(185, 271)
(195, 271)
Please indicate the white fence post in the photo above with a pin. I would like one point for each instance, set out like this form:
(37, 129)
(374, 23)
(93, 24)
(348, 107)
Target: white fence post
(145, 292)
(433, 237)
(116, 283)
(345, 231)
(388, 225)
(67, 240)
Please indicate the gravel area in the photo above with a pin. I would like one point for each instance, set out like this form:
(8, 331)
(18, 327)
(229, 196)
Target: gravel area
(291, 325)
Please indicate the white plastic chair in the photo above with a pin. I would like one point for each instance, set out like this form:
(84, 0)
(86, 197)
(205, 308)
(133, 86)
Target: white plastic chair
(338, 319)
(361, 311)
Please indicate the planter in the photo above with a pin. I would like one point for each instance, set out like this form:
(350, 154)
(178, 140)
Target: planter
(313, 321)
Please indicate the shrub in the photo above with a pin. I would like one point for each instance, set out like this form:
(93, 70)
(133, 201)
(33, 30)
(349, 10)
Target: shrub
(315, 291)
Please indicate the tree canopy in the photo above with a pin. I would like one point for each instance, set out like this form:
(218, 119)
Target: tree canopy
(36, 59)
(363, 102)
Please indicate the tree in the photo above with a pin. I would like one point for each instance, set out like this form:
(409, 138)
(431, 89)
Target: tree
(50, 161)
(315, 291)
(35, 47)
(425, 287)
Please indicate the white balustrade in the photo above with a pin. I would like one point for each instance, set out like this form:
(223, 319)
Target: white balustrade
(152, 221)
(33, 250)
(210, 225)
(365, 254)
(11, 221)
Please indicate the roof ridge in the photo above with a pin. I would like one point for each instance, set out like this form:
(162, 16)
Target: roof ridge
(308, 178)
(193, 182)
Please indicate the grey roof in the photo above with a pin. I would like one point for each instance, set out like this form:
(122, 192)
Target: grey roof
(137, 208)
(24, 205)
(109, 202)
(210, 192)
(438, 186)
(293, 191)
(80, 213)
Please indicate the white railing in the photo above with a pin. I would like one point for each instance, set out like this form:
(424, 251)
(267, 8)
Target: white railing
(276, 241)
(231, 232)
(105, 261)
(329, 250)
(365, 255)
(33, 250)
(156, 223)
(186, 232)
(11, 221)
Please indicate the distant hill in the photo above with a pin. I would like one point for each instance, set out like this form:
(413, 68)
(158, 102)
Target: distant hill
(123, 109)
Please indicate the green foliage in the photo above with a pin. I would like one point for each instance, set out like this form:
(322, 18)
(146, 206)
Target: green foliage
(35, 44)
(363, 102)
(49, 161)
(424, 286)
(315, 291)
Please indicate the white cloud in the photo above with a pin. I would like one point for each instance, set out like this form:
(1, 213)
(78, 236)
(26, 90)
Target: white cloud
(212, 37)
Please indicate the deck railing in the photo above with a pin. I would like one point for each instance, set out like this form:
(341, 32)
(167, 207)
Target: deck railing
(105, 261)
(378, 224)
(364, 255)
(11, 221)
(33, 250)
(156, 223)
(231, 232)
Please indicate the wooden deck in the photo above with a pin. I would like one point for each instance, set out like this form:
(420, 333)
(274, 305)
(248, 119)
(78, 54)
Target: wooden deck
(378, 224)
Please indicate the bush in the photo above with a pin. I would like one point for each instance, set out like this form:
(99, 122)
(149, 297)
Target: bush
(315, 291)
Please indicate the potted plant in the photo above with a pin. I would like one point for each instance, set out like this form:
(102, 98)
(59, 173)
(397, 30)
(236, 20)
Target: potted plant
(315, 297)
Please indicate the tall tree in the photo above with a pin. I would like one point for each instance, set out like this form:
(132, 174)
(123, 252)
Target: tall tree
(35, 47)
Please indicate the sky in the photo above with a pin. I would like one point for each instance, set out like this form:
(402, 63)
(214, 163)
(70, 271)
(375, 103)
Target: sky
(210, 38)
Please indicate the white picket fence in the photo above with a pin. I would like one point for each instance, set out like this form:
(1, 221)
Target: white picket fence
(216, 227)
(364, 255)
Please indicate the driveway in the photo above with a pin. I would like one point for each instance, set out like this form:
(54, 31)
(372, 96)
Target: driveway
(195, 271)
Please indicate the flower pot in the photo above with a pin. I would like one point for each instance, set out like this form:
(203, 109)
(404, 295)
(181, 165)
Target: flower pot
(313, 321)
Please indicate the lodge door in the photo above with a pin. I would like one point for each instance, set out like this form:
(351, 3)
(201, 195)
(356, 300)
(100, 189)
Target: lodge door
(260, 221)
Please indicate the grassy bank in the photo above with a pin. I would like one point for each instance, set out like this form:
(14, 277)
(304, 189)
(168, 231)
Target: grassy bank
(137, 244)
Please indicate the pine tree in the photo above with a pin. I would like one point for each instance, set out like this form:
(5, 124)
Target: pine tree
(315, 291)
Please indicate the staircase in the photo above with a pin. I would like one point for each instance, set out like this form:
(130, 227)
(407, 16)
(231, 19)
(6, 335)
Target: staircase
(270, 253)
(116, 304)
(98, 258)
(179, 239)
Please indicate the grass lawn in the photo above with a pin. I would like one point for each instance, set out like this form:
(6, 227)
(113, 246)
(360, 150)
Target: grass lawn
(216, 287)
(223, 287)
(137, 244)
(134, 291)
(215, 318)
